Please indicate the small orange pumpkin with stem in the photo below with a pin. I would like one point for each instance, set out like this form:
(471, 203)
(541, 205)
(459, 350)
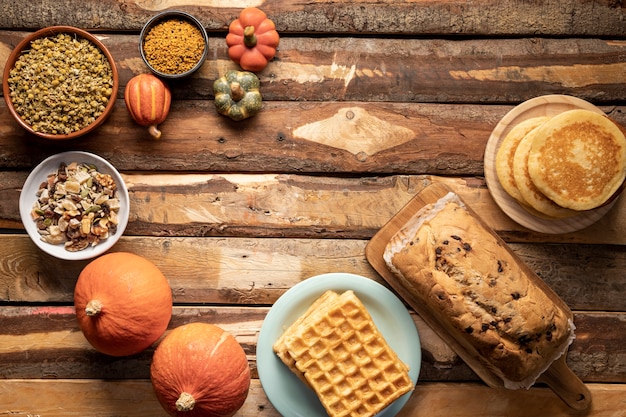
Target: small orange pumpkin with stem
(123, 303)
(200, 370)
(148, 101)
(252, 39)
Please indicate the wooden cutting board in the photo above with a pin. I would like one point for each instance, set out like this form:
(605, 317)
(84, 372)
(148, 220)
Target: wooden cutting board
(559, 376)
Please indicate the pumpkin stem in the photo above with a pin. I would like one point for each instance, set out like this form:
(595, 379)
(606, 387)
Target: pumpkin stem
(236, 91)
(185, 402)
(154, 132)
(93, 308)
(249, 38)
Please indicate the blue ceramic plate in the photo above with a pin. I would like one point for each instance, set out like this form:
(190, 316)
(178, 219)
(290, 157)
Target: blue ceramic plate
(288, 394)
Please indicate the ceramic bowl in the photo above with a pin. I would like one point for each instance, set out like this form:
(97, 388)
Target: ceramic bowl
(40, 174)
(24, 46)
(163, 17)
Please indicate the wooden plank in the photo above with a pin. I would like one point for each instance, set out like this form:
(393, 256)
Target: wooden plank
(200, 270)
(407, 70)
(257, 271)
(353, 138)
(64, 398)
(30, 336)
(357, 137)
(485, 17)
(135, 398)
(473, 400)
(276, 205)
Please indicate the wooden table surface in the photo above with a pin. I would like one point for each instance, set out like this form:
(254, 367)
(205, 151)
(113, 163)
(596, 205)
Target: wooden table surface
(365, 104)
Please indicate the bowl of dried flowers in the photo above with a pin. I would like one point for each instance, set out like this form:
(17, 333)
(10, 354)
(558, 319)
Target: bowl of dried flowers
(74, 205)
(173, 44)
(60, 82)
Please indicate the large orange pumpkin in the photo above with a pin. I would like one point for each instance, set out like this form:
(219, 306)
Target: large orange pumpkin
(123, 303)
(200, 370)
(148, 101)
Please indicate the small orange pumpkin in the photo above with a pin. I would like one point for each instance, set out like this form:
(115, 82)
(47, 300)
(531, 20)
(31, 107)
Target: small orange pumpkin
(123, 303)
(148, 101)
(252, 39)
(200, 370)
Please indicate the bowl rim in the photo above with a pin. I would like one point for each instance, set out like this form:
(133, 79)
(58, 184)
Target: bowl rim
(165, 15)
(42, 33)
(36, 177)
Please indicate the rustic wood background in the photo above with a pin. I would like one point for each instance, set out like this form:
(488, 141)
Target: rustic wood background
(364, 105)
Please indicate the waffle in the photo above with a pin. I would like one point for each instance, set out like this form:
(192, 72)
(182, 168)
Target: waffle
(345, 359)
(279, 346)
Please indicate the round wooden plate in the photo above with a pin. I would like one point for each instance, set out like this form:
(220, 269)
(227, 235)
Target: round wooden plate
(549, 105)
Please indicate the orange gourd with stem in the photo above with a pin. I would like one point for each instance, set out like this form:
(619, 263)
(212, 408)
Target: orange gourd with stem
(148, 101)
(252, 39)
(123, 303)
(200, 370)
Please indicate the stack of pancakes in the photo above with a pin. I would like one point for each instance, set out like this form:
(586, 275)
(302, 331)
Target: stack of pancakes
(559, 166)
(336, 349)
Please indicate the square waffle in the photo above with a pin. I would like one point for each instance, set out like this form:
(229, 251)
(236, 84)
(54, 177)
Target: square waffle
(279, 346)
(345, 359)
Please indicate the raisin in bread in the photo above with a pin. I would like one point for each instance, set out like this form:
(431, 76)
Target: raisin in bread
(475, 286)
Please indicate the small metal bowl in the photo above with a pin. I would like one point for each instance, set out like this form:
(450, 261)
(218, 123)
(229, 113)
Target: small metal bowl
(171, 15)
(24, 46)
(39, 175)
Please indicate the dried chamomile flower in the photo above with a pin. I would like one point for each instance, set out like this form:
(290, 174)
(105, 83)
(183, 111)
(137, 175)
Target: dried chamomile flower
(61, 84)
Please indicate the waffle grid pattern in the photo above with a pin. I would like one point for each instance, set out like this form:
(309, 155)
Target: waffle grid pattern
(347, 361)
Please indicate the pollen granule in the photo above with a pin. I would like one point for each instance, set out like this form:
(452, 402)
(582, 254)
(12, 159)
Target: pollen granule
(173, 46)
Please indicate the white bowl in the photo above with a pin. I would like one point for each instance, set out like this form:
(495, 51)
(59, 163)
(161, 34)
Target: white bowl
(28, 197)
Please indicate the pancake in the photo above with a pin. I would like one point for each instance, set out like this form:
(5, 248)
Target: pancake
(578, 159)
(506, 153)
(532, 196)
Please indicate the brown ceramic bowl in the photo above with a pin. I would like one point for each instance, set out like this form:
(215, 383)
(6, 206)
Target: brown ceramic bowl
(24, 46)
(163, 17)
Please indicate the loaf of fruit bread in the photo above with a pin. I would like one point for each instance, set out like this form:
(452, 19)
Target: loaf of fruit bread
(476, 287)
